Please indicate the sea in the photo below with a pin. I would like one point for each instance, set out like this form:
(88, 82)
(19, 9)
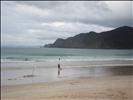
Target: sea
(53, 54)
(21, 65)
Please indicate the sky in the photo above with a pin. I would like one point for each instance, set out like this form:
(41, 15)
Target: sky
(35, 23)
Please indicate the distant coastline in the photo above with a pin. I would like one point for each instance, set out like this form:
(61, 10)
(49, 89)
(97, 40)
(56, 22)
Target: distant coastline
(119, 38)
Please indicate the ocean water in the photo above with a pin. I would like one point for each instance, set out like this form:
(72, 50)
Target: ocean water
(52, 54)
(42, 63)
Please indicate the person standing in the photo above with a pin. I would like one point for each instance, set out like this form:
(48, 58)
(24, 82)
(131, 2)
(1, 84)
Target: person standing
(59, 67)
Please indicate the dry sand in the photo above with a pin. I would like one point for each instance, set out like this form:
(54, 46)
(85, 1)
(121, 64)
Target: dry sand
(109, 88)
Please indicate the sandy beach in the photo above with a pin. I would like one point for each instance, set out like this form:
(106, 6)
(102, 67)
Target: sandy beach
(88, 82)
(110, 88)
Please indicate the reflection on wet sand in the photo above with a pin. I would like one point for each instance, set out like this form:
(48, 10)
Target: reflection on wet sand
(46, 74)
(99, 71)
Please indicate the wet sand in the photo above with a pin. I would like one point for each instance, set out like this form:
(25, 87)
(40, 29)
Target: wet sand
(109, 88)
(82, 83)
(49, 74)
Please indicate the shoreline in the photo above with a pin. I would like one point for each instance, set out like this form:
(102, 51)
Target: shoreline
(27, 64)
(22, 73)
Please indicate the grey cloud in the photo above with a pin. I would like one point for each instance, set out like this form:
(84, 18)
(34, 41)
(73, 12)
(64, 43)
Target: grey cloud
(91, 12)
(22, 21)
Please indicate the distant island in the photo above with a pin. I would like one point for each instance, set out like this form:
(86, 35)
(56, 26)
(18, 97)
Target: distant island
(119, 38)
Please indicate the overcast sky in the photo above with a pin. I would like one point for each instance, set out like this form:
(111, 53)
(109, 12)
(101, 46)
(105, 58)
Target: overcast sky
(35, 23)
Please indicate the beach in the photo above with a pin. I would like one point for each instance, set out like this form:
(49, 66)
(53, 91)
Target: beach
(104, 81)
(66, 50)
(14, 73)
(85, 75)
(109, 88)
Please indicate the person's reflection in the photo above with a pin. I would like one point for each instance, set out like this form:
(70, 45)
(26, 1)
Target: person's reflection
(58, 69)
